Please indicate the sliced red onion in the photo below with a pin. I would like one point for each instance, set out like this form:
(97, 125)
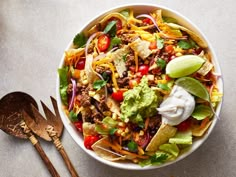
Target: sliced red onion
(151, 18)
(112, 50)
(73, 94)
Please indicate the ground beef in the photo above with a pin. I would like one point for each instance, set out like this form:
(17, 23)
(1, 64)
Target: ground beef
(69, 89)
(129, 60)
(100, 69)
(122, 82)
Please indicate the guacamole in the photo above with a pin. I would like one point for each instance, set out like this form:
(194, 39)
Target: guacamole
(139, 103)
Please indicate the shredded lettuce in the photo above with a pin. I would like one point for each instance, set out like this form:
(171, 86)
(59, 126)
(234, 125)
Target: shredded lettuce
(182, 138)
(170, 148)
(108, 126)
(63, 84)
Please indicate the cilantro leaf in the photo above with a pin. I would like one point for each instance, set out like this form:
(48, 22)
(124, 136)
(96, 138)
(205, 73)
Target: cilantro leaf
(112, 131)
(186, 44)
(63, 84)
(158, 158)
(124, 57)
(163, 86)
(111, 28)
(161, 63)
(132, 146)
(114, 42)
(98, 84)
(73, 116)
(79, 40)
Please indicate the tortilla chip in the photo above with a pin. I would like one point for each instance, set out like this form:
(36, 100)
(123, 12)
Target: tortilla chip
(104, 152)
(195, 37)
(113, 106)
(198, 131)
(162, 136)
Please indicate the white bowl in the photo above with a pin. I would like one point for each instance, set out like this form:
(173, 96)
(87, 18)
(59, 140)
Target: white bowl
(140, 8)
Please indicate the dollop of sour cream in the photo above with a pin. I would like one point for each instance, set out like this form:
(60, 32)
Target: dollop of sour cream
(177, 107)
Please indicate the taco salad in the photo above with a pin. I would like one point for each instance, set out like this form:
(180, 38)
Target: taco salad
(139, 87)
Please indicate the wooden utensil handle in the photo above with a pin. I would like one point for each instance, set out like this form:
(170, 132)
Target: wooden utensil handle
(53, 134)
(40, 150)
(47, 162)
(68, 163)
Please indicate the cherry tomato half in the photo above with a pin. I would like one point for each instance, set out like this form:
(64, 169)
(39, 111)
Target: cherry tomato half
(118, 23)
(143, 140)
(90, 140)
(134, 82)
(79, 125)
(185, 125)
(143, 69)
(80, 64)
(147, 21)
(169, 49)
(118, 96)
(103, 42)
(153, 45)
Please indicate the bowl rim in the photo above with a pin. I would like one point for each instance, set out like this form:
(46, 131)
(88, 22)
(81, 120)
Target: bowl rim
(130, 166)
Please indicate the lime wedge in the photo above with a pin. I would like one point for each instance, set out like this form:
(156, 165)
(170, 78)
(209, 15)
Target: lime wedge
(184, 65)
(194, 87)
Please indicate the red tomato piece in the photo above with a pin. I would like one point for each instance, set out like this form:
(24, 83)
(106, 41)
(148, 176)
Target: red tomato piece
(169, 49)
(147, 21)
(118, 96)
(134, 82)
(90, 140)
(79, 125)
(153, 45)
(185, 125)
(143, 140)
(143, 69)
(118, 23)
(103, 42)
(156, 71)
(80, 64)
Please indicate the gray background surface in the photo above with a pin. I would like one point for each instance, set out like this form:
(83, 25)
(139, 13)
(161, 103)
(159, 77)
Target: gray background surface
(33, 36)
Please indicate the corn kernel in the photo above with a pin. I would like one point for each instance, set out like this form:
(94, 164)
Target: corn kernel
(126, 120)
(91, 93)
(141, 133)
(126, 130)
(119, 131)
(116, 75)
(114, 116)
(121, 124)
(123, 134)
(107, 113)
(85, 82)
(178, 54)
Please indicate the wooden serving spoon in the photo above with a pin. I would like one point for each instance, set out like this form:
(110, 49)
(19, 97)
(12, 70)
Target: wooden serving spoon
(13, 107)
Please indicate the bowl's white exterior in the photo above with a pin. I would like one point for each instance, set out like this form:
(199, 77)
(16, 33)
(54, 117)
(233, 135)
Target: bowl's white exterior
(139, 8)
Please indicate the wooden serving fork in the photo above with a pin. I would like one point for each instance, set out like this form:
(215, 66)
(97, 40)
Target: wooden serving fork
(50, 129)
